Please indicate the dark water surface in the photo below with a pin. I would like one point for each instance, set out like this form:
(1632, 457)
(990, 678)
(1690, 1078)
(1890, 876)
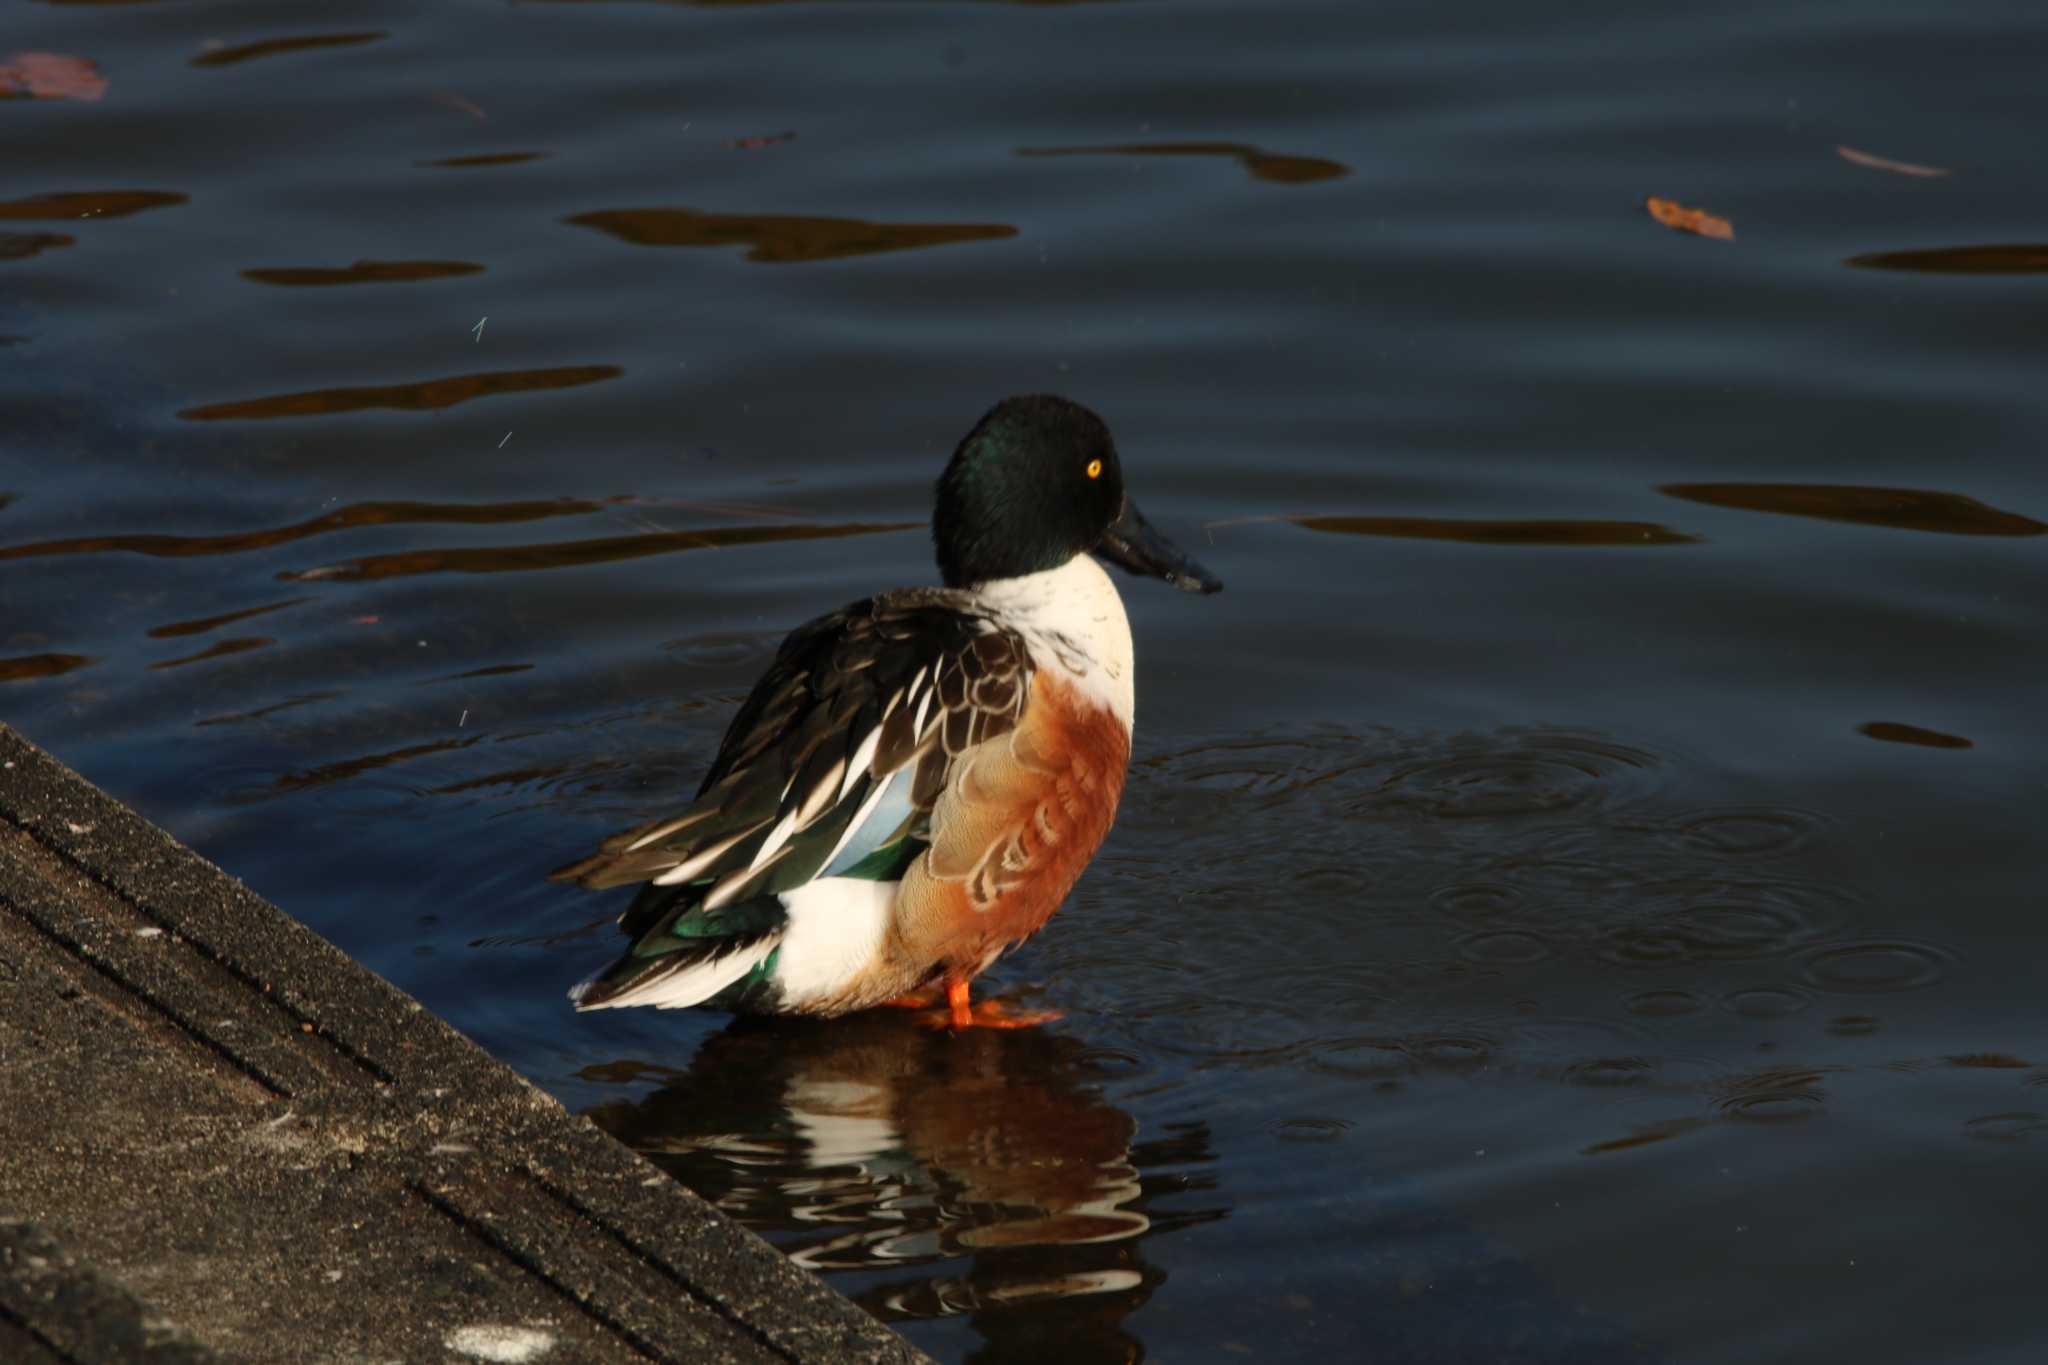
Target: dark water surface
(1578, 895)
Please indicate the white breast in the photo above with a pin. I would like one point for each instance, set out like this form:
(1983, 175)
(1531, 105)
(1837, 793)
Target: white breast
(1074, 621)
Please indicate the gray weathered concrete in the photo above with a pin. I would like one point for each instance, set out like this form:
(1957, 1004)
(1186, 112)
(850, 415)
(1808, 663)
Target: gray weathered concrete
(221, 1139)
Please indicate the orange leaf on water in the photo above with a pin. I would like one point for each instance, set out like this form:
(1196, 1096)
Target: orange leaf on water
(51, 76)
(1885, 163)
(1673, 214)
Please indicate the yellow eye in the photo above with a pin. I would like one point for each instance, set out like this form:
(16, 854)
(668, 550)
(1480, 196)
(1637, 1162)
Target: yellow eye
(1095, 469)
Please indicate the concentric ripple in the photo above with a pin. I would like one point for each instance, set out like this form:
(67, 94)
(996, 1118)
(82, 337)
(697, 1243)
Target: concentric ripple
(1543, 774)
(1875, 966)
(1504, 947)
(1477, 902)
(1610, 1072)
(1665, 1004)
(1779, 1096)
(1766, 1002)
(1686, 923)
(1751, 831)
(1309, 1129)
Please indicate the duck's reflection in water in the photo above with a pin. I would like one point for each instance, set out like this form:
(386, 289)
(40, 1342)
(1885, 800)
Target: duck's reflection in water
(987, 1161)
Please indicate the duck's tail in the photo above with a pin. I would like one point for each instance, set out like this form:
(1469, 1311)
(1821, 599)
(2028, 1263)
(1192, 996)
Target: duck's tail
(688, 954)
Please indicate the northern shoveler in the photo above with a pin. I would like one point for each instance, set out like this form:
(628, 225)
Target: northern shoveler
(918, 780)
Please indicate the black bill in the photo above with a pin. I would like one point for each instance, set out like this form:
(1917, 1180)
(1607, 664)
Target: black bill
(1131, 542)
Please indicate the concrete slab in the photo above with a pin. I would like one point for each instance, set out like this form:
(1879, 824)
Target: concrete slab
(222, 1139)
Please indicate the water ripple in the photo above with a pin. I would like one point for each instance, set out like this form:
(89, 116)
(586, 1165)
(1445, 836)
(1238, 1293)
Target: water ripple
(1505, 946)
(1751, 832)
(2017, 1127)
(1665, 1004)
(1765, 1002)
(1876, 966)
(1778, 1096)
(1542, 775)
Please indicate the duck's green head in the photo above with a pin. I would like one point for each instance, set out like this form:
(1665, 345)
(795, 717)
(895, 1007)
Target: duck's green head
(1034, 484)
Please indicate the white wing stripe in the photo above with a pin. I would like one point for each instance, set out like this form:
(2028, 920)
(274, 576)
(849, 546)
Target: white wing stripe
(666, 828)
(822, 795)
(857, 766)
(777, 837)
(703, 858)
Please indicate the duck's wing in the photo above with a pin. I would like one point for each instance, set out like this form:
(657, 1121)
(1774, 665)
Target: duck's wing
(833, 762)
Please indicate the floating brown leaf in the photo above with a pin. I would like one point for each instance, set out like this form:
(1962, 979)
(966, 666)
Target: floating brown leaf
(1885, 163)
(1673, 214)
(51, 76)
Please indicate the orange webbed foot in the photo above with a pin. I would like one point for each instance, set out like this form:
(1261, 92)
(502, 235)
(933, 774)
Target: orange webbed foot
(961, 1013)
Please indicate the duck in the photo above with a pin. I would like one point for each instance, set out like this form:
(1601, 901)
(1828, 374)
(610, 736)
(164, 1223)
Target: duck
(918, 780)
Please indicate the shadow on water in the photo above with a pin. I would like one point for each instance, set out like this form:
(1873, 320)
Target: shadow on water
(568, 554)
(782, 238)
(2017, 259)
(417, 397)
(362, 272)
(980, 1175)
(1494, 531)
(40, 666)
(1903, 509)
(353, 517)
(1260, 164)
(89, 204)
(274, 47)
